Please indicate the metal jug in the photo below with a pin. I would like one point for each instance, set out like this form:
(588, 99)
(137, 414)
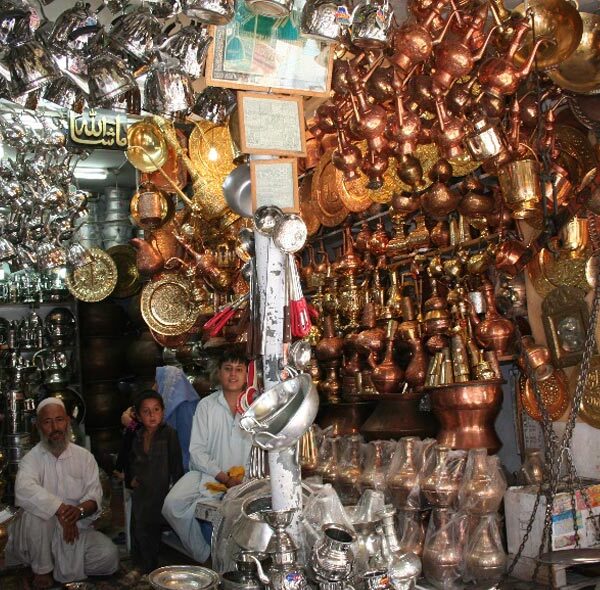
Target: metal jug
(211, 12)
(168, 91)
(136, 33)
(190, 46)
(319, 20)
(109, 77)
(270, 8)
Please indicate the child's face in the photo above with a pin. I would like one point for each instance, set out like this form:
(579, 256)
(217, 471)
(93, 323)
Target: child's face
(151, 414)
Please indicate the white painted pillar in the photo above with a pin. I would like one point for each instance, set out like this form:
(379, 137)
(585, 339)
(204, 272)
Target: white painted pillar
(283, 465)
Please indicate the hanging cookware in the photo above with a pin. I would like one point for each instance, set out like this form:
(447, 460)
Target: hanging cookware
(270, 8)
(109, 77)
(557, 20)
(136, 33)
(211, 12)
(266, 218)
(189, 45)
(94, 281)
(289, 233)
(27, 66)
(371, 24)
(580, 72)
(153, 153)
(75, 29)
(168, 90)
(64, 93)
(15, 19)
(320, 21)
(151, 208)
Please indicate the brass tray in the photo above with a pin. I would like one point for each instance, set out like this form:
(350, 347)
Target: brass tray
(129, 281)
(554, 393)
(580, 72)
(94, 281)
(328, 206)
(566, 271)
(307, 206)
(589, 410)
(168, 306)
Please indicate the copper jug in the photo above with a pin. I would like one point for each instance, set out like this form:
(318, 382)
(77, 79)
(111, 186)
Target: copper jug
(416, 371)
(443, 549)
(148, 259)
(484, 559)
(350, 470)
(403, 475)
(387, 376)
(330, 346)
(495, 331)
(483, 484)
(329, 386)
(440, 485)
(438, 201)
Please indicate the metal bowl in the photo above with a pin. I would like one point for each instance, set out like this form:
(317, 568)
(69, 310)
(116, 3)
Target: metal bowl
(183, 577)
(265, 219)
(251, 532)
(580, 72)
(236, 190)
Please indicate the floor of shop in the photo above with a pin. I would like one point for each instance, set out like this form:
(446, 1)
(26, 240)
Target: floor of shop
(20, 578)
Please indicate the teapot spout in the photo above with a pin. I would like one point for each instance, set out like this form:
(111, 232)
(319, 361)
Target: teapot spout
(526, 68)
(260, 571)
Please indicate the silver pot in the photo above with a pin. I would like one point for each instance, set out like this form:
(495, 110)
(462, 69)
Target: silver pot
(109, 77)
(64, 93)
(319, 21)
(136, 33)
(168, 91)
(211, 12)
(189, 45)
(164, 8)
(75, 29)
(270, 8)
(250, 531)
(370, 25)
(14, 21)
(236, 190)
(116, 233)
(29, 66)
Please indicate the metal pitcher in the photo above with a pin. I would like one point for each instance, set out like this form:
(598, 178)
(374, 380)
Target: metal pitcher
(75, 29)
(189, 45)
(136, 33)
(331, 559)
(371, 25)
(109, 77)
(211, 12)
(168, 91)
(520, 185)
(319, 21)
(28, 66)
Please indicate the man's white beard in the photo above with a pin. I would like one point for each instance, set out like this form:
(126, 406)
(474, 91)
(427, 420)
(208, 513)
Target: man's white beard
(57, 447)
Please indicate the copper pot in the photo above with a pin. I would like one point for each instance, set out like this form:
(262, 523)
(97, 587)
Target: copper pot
(105, 441)
(387, 376)
(102, 359)
(101, 320)
(467, 412)
(508, 256)
(439, 200)
(495, 331)
(144, 355)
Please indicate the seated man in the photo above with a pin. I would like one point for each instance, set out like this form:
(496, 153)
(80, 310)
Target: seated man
(58, 487)
(217, 444)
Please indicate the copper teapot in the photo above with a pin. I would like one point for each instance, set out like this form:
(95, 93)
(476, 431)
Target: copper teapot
(495, 331)
(499, 76)
(148, 260)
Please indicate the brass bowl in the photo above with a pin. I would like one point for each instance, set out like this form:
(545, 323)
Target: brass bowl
(580, 72)
(557, 20)
(146, 147)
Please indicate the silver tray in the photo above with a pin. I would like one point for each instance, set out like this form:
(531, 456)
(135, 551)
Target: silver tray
(183, 577)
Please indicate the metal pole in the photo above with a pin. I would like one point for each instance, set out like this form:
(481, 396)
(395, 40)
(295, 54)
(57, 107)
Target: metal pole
(283, 465)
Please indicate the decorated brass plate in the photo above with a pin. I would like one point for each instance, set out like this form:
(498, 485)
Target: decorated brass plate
(589, 410)
(329, 207)
(128, 276)
(554, 394)
(577, 145)
(168, 306)
(211, 152)
(307, 207)
(566, 271)
(94, 281)
(535, 270)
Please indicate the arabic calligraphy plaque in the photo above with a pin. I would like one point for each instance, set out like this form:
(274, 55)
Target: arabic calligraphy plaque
(98, 129)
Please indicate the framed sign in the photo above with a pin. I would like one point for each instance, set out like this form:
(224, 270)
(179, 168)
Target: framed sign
(271, 124)
(260, 53)
(274, 182)
(104, 130)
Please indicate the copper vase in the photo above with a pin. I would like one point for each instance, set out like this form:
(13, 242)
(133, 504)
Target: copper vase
(387, 376)
(403, 476)
(495, 331)
(467, 412)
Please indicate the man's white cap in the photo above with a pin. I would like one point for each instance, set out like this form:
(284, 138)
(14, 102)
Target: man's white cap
(48, 401)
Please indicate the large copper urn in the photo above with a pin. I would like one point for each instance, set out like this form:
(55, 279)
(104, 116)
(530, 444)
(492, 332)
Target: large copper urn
(467, 412)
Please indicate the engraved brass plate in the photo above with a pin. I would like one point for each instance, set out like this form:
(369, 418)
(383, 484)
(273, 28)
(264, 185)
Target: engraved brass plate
(554, 394)
(94, 281)
(589, 410)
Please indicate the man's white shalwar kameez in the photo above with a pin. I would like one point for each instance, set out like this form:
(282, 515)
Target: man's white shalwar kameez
(43, 483)
(217, 444)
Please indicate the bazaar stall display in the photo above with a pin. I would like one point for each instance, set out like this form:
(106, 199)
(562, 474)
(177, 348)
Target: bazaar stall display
(390, 207)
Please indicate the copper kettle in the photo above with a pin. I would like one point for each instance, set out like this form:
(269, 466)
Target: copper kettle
(148, 260)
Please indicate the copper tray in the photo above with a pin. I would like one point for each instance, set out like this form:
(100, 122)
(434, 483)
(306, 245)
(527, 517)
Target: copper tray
(168, 306)
(329, 207)
(307, 206)
(554, 392)
(94, 281)
(129, 281)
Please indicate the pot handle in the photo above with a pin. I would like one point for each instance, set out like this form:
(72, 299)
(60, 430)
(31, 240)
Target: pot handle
(250, 424)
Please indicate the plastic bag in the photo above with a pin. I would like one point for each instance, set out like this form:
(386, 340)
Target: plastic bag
(441, 477)
(483, 484)
(484, 558)
(443, 549)
(402, 478)
(377, 456)
(411, 531)
(350, 469)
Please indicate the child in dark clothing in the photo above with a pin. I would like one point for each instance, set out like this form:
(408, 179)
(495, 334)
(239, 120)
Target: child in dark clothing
(154, 464)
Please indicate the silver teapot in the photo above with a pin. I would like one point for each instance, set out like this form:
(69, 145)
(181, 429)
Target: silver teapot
(136, 33)
(14, 22)
(168, 90)
(371, 24)
(60, 326)
(319, 20)
(211, 12)
(75, 29)
(109, 77)
(189, 45)
(332, 558)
